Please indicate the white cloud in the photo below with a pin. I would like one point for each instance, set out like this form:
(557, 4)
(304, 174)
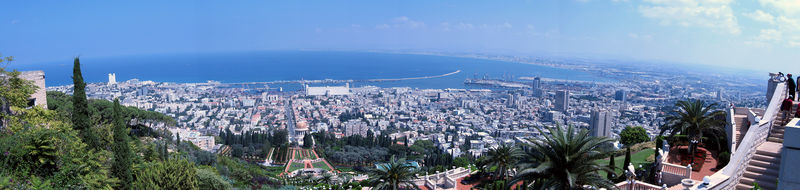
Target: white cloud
(382, 26)
(714, 14)
(790, 7)
(769, 35)
(402, 22)
(788, 24)
(782, 29)
(507, 25)
(646, 37)
(761, 16)
(446, 26)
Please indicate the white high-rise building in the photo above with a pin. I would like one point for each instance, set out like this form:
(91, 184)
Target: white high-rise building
(112, 78)
(601, 123)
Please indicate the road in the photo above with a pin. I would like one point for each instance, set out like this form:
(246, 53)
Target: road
(289, 120)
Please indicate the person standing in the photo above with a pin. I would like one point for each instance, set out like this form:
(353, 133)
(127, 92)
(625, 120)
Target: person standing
(798, 88)
(792, 86)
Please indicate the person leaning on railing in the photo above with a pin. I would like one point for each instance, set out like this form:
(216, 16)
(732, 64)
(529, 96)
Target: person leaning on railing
(790, 83)
(786, 107)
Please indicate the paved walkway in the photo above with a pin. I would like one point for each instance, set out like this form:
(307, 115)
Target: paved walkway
(709, 166)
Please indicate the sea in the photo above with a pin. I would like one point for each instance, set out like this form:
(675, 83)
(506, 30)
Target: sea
(296, 65)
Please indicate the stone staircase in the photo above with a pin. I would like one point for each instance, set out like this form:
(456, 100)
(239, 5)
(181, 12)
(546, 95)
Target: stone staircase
(741, 126)
(763, 168)
(765, 165)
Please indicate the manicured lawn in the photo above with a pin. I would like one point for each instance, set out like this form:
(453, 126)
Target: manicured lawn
(297, 155)
(636, 159)
(321, 165)
(296, 166)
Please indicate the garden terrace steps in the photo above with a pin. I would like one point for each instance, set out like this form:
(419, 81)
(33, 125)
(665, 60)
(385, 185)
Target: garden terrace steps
(741, 126)
(763, 168)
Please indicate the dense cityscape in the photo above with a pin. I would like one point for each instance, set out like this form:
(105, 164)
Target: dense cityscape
(400, 95)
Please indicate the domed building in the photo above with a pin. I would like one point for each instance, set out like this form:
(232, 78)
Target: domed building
(301, 129)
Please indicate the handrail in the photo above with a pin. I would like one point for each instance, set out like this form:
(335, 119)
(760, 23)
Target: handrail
(755, 136)
(637, 185)
(673, 169)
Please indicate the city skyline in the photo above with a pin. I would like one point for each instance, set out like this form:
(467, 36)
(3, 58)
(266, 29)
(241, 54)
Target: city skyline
(718, 33)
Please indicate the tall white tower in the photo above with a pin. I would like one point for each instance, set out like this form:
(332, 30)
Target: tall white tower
(112, 79)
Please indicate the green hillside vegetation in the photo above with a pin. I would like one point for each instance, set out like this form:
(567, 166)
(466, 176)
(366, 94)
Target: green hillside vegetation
(45, 149)
(638, 158)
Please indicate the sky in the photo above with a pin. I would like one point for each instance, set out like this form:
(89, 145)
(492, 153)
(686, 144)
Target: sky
(759, 35)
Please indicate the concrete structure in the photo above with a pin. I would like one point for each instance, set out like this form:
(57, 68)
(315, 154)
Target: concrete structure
(621, 95)
(355, 127)
(562, 100)
(554, 116)
(112, 79)
(38, 98)
(537, 83)
(789, 174)
(601, 123)
(510, 101)
(328, 90)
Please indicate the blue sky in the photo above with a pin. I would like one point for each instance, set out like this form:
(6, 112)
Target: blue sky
(759, 34)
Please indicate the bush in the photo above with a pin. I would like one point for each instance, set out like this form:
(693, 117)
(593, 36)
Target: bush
(723, 159)
(208, 179)
(170, 174)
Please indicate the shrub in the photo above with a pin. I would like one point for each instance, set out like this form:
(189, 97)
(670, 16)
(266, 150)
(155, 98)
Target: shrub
(208, 179)
(170, 174)
(723, 159)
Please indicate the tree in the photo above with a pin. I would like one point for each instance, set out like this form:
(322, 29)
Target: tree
(633, 135)
(308, 142)
(693, 118)
(627, 158)
(393, 175)
(461, 161)
(80, 114)
(501, 158)
(611, 175)
(563, 159)
(122, 152)
(177, 140)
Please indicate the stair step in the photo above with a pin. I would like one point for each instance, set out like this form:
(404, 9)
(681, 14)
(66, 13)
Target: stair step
(743, 186)
(767, 158)
(758, 176)
(763, 164)
(763, 170)
(765, 184)
(775, 140)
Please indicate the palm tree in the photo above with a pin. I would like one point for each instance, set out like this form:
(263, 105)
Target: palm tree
(693, 118)
(326, 178)
(500, 158)
(563, 159)
(392, 175)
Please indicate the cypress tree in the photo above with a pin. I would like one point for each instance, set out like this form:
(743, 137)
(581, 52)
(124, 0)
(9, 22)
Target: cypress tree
(611, 165)
(122, 152)
(165, 152)
(178, 140)
(627, 159)
(80, 114)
